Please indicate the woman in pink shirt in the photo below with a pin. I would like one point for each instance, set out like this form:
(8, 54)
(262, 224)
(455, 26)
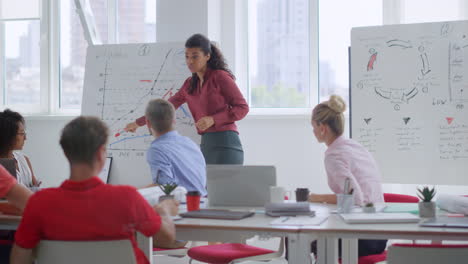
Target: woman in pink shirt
(346, 159)
(214, 100)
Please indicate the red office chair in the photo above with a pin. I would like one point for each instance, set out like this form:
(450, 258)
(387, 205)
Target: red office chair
(399, 198)
(427, 253)
(233, 253)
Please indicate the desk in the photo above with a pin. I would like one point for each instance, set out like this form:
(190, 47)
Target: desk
(335, 228)
(238, 230)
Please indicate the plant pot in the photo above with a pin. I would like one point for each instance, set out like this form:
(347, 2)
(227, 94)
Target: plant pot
(165, 197)
(368, 209)
(427, 209)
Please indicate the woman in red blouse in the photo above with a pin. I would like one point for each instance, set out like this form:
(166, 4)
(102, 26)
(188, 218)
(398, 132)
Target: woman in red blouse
(214, 100)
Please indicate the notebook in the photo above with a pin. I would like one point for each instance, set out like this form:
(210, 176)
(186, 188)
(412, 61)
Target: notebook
(445, 221)
(217, 214)
(376, 218)
(299, 221)
(288, 209)
(237, 185)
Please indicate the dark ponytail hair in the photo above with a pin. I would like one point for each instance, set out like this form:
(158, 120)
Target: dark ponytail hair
(216, 61)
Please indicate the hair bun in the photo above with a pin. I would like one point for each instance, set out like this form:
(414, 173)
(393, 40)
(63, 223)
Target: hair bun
(337, 104)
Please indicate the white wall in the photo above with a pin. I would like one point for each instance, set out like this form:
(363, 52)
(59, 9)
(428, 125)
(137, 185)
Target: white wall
(286, 142)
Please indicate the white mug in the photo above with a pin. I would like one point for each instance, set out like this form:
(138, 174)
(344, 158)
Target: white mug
(277, 194)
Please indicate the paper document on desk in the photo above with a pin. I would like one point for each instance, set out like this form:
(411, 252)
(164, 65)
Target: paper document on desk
(299, 221)
(453, 203)
(402, 208)
(376, 218)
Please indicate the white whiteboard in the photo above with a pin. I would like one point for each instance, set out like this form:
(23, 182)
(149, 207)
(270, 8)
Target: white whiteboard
(409, 100)
(119, 81)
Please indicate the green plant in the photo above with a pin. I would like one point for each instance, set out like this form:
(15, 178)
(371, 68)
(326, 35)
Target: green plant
(426, 194)
(167, 188)
(369, 204)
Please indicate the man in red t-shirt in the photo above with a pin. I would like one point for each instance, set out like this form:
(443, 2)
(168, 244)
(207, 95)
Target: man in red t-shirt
(83, 208)
(15, 193)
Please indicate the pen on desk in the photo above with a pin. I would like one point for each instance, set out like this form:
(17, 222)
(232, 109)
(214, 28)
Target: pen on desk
(285, 219)
(346, 186)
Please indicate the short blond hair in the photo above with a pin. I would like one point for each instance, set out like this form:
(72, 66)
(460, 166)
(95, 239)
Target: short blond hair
(331, 113)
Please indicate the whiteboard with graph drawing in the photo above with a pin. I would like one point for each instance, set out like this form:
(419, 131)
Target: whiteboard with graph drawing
(409, 100)
(119, 81)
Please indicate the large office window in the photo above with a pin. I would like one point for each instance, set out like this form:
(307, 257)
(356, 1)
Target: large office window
(20, 52)
(335, 38)
(42, 64)
(419, 11)
(73, 49)
(117, 21)
(279, 55)
(136, 21)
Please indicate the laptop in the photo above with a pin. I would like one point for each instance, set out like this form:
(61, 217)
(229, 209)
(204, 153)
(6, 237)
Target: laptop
(446, 221)
(105, 172)
(217, 214)
(10, 166)
(238, 185)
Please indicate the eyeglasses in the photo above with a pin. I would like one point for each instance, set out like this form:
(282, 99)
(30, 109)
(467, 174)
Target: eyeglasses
(22, 133)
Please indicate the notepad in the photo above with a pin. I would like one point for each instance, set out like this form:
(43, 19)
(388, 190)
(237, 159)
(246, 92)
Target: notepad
(217, 214)
(402, 208)
(299, 221)
(370, 218)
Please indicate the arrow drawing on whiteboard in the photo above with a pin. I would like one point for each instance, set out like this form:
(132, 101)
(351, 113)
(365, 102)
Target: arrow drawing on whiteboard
(425, 63)
(367, 120)
(406, 120)
(384, 94)
(370, 64)
(410, 95)
(399, 43)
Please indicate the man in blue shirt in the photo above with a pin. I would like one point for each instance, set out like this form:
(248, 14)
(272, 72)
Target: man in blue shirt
(172, 157)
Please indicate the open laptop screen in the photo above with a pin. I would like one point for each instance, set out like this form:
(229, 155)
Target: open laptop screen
(105, 172)
(237, 185)
(9, 165)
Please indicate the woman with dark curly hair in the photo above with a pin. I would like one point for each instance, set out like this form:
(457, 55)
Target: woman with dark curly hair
(215, 102)
(12, 138)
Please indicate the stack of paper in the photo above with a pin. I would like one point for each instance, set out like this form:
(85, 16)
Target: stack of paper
(299, 221)
(369, 218)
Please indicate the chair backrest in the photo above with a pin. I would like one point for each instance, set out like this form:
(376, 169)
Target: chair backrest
(399, 198)
(426, 254)
(78, 252)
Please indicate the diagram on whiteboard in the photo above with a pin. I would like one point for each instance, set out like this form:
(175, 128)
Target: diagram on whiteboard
(400, 69)
(409, 98)
(119, 82)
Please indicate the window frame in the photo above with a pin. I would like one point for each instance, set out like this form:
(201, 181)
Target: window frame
(234, 14)
(313, 65)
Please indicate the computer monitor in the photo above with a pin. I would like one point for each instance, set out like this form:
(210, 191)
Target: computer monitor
(238, 185)
(105, 172)
(10, 166)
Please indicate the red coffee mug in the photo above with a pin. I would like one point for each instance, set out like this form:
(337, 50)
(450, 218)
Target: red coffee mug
(193, 200)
